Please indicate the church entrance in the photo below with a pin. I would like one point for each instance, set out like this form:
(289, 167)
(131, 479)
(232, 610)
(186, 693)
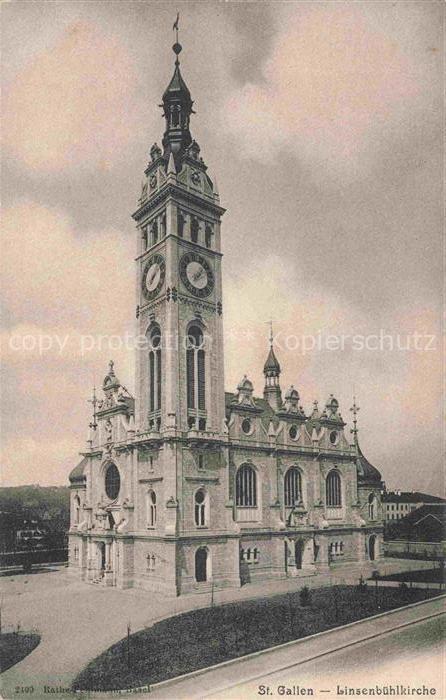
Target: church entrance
(372, 547)
(201, 561)
(101, 546)
(298, 553)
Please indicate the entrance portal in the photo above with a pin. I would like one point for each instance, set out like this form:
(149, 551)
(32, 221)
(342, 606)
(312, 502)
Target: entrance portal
(101, 546)
(298, 553)
(372, 546)
(201, 558)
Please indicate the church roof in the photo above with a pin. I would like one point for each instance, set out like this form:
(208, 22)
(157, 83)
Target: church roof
(367, 473)
(77, 475)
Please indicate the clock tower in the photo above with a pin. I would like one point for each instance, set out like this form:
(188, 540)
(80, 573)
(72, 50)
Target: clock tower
(180, 385)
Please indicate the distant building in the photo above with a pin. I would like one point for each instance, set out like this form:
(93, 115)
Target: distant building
(421, 533)
(398, 504)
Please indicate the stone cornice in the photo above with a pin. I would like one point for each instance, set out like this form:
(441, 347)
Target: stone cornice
(176, 191)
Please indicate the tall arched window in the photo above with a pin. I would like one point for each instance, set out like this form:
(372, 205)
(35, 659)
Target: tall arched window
(77, 509)
(333, 489)
(154, 232)
(194, 229)
(200, 508)
(246, 486)
(293, 487)
(151, 509)
(201, 564)
(155, 368)
(196, 379)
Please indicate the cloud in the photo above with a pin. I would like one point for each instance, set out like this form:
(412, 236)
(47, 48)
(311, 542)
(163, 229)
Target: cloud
(333, 82)
(53, 276)
(75, 104)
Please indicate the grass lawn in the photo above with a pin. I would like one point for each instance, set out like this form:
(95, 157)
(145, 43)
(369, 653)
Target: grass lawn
(200, 638)
(436, 575)
(15, 646)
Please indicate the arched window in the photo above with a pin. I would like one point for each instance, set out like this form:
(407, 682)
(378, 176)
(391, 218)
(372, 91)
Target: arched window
(194, 228)
(201, 564)
(151, 509)
(154, 232)
(180, 223)
(333, 489)
(200, 508)
(196, 379)
(112, 481)
(208, 236)
(246, 486)
(373, 507)
(155, 368)
(77, 509)
(293, 487)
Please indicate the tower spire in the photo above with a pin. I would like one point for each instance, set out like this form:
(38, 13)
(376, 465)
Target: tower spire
(271, 370)
(177, 107)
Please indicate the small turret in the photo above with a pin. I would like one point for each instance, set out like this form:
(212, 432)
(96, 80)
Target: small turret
(271, 370)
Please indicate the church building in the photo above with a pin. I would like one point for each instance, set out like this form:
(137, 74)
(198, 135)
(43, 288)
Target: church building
(185, 487)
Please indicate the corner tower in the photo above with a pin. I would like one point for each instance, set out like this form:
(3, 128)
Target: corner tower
(179, 364)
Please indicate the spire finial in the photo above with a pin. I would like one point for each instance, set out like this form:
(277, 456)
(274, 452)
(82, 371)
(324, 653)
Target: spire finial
(111, 364)
(355, 409)
(94, 402)
(177, 46)
(271, 334)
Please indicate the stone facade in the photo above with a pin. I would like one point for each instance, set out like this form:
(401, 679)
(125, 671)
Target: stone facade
(184, 487)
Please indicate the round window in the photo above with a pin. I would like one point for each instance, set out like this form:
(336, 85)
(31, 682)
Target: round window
(334, 437)
(294, 432)
(112, 482)
(199, 497)
(246, 426)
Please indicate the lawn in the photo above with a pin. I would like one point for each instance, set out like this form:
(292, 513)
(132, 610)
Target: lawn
(200, 638)
(15, 646)
(436, 575)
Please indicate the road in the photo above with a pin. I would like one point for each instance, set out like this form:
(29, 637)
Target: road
(410, 657)
(400, 648)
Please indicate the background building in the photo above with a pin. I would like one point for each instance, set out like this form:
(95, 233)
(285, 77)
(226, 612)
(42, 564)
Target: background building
(398, 504)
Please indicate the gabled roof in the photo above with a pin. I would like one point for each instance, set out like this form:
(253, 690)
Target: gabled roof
(432, 510)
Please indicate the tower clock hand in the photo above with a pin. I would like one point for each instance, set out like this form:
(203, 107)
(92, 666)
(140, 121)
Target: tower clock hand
(152, 275)
(198, 275)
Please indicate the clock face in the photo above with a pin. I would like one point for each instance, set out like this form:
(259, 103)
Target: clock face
(196, 274)
(153, 276)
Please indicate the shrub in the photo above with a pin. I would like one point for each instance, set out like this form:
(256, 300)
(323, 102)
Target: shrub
(361, 584)
(305, 596)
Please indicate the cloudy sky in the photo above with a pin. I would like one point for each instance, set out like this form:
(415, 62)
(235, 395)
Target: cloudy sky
(322, 122)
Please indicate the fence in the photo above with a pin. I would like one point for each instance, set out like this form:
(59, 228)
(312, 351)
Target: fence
(408, 549)
(39, 556)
